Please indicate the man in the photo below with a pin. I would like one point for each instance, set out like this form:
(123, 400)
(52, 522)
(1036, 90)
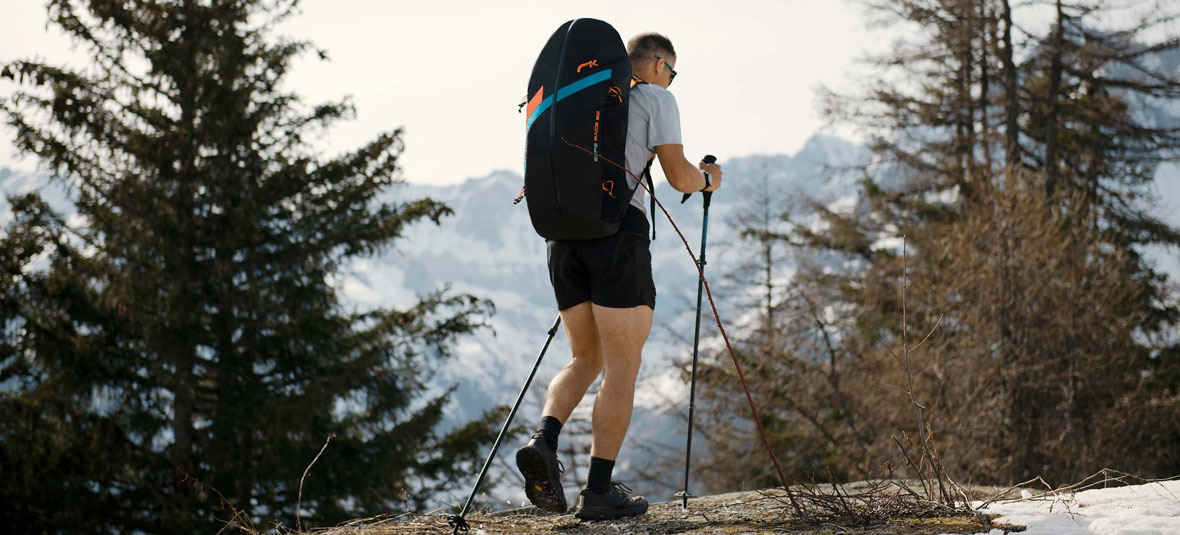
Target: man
(606, 296)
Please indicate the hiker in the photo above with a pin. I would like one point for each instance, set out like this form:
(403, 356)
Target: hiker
(605, 295)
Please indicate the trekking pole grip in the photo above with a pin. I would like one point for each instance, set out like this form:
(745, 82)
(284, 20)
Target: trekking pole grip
(709, 158)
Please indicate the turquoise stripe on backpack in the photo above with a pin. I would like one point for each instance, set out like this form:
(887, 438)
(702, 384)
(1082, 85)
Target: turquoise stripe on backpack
(566, 91)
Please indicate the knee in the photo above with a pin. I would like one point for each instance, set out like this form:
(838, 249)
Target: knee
(587, 363)
(623, 366)
(588, 358)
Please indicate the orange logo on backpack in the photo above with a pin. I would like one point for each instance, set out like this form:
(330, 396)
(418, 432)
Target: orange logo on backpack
(615, 92)
(609, 187)
(592, 63)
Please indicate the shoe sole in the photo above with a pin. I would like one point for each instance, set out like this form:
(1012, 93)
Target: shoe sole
(542, 486)
(607, 513)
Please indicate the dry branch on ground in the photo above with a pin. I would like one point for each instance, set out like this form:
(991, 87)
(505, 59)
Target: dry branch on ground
(741, 512)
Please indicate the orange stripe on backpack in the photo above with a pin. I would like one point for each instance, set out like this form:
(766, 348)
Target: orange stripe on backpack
(533, 103)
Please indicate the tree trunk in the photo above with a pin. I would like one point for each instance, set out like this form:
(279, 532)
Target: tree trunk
(1012, 126)
(984, 87)
(1054, 96)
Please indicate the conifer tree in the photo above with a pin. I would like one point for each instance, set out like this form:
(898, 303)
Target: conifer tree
(1018, 163)
(183, 332)
(1079, 121)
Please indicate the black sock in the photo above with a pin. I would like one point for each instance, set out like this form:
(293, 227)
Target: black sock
(550, 428)
(600, 472)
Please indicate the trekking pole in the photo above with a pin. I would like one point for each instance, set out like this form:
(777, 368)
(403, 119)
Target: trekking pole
(457, 522)
(696, 337)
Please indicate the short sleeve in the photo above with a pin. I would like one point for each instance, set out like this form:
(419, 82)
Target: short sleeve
(664, 126)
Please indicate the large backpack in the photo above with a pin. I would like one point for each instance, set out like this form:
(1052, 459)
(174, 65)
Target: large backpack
(577, 95)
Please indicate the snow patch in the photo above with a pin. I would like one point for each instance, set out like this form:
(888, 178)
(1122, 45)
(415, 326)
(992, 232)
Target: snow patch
(1149, 509)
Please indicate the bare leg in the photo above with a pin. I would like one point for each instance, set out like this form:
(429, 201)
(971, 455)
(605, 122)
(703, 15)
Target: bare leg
(622, 333)
(570, 384)
(538, 464)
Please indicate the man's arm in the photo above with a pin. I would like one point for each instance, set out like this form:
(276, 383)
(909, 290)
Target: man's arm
(683, 175)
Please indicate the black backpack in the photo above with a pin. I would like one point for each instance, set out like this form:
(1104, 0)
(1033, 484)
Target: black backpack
(577, 97)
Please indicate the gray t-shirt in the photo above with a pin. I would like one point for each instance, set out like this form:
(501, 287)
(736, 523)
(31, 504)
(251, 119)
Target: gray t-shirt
(653, 120)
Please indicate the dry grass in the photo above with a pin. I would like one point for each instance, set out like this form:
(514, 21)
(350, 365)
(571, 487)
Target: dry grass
(742, 512)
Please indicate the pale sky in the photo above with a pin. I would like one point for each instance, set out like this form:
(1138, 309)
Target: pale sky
(452, 73)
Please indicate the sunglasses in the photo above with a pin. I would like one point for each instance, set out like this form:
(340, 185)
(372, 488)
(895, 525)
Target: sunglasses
(670, 69)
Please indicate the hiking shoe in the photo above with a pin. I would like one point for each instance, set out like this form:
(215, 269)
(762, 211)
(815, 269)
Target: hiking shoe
(616, 503)
(542, 475)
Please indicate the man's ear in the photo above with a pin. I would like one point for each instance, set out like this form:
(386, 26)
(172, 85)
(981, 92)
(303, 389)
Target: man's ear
(645, 69)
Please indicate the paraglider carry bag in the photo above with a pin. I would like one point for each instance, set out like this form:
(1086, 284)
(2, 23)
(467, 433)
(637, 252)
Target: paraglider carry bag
(577, 97)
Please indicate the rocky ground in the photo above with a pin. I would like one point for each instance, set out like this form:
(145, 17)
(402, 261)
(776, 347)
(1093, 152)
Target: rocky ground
(741, 512)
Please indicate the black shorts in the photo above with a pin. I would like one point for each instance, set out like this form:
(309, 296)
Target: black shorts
(614, 271)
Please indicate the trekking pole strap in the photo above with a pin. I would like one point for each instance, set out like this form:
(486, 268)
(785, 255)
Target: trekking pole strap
(709, 158)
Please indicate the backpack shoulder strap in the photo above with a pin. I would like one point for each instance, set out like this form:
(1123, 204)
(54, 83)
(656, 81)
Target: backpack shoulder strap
(651, 192)
(646, 175)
